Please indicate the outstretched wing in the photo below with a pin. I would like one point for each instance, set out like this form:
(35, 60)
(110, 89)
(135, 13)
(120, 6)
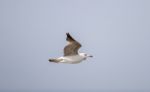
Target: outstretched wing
(72, 47)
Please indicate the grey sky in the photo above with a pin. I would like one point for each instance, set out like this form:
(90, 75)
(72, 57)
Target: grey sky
(115, 32)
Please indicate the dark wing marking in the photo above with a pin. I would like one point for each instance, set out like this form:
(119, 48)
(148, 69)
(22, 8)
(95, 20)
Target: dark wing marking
(72, 47)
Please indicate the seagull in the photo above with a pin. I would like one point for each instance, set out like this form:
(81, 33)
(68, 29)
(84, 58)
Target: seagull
(71, 54)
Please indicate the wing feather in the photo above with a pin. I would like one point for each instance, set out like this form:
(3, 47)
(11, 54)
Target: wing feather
(72, 47)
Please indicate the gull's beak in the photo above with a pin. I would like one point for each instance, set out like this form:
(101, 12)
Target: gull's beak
(89, 56)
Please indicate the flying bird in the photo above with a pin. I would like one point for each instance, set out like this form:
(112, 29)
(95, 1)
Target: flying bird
(71, 54)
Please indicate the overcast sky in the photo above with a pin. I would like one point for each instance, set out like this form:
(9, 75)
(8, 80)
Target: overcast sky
(115, 32)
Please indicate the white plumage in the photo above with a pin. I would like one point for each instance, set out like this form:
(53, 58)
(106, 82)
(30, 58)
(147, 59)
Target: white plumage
(71, 55)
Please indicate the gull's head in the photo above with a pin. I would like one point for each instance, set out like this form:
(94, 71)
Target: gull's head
(85, 55)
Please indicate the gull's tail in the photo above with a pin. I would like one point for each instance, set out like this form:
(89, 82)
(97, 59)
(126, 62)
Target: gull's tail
(55, 60)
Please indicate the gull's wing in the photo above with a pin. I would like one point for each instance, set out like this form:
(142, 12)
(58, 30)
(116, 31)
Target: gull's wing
(72, 47)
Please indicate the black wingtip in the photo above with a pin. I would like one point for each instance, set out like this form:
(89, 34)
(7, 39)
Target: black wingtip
(67, 34)
(69, 37)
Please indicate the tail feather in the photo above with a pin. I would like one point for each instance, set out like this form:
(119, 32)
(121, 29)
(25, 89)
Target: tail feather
(55, 60)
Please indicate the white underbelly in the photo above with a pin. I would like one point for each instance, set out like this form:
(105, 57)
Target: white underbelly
(72, 59)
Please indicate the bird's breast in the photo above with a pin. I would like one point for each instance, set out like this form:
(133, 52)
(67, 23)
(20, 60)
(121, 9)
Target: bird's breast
(74, 59)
